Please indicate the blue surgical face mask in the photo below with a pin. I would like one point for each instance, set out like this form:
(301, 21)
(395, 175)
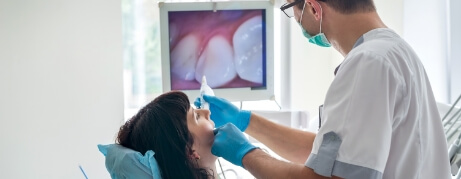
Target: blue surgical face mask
(319, 39)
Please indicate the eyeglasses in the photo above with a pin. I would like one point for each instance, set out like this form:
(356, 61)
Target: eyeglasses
(286, 8)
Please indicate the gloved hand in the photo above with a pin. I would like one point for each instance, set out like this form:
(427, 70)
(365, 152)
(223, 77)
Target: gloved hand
(231, 144)
(222, 112)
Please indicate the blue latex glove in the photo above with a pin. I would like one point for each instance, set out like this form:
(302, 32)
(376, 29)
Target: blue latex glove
(222, 112)
(231, 144)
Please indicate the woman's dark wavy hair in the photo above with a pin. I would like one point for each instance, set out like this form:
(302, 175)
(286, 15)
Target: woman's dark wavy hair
(161, 126)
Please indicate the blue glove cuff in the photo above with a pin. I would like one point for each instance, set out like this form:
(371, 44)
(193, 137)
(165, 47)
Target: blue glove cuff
(248, 147)
(243, 120)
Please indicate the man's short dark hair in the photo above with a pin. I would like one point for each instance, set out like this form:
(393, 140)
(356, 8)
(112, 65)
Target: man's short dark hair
(348, 6)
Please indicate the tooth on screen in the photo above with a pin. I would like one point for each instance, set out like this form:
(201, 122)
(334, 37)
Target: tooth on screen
(216, 63)
(247, 42)
(184, 57)
(174, 32)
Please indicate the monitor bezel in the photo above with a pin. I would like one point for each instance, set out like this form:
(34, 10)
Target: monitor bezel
(231, 94)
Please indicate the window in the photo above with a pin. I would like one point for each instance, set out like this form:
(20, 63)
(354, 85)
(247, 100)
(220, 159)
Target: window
(141, 54)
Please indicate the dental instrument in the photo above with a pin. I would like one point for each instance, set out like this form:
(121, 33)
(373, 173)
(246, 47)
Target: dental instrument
(454, 147)
(458, 175)
(205, 89)
(452, 121)
(451, 108)
(81, 169)
(446, 123)
(450, 131)
(449, 111)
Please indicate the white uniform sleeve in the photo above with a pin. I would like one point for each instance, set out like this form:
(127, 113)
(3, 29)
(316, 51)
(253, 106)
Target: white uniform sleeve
(355, 137)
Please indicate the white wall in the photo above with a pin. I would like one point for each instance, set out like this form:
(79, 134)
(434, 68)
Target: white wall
(454, 52)
(425, 29)
(391, 13)
(312, 67)
(60, 86)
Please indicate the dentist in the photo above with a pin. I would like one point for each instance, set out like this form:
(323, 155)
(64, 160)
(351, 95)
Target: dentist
(379, 118)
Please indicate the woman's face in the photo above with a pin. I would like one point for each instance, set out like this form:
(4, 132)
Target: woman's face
(201, 128)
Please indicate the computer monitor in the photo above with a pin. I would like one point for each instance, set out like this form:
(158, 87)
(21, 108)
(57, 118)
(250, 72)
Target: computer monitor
(229, 42)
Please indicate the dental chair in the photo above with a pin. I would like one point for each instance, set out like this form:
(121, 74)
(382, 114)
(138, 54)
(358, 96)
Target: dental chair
(452, 127)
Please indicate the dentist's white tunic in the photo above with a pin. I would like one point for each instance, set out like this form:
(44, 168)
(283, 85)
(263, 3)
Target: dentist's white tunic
(380, 118)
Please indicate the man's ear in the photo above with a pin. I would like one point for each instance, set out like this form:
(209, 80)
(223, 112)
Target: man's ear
(315, 8)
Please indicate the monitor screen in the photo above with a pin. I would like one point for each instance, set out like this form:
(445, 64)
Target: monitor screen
(222, 41)
(226, 46)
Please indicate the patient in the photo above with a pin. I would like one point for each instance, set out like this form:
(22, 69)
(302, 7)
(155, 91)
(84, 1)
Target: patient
(180, 136)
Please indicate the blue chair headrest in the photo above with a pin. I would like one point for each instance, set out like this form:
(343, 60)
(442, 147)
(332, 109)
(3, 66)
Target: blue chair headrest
(124, 163)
